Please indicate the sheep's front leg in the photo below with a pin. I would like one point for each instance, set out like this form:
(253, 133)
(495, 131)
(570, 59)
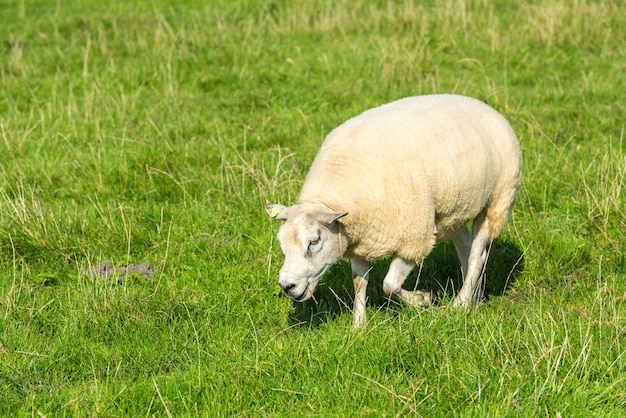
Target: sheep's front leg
(360, 270)
(399, 269)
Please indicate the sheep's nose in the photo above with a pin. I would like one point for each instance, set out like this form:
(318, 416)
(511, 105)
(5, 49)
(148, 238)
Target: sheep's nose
(287, 287)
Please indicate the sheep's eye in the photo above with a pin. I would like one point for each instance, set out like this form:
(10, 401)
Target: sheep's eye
(314, 242)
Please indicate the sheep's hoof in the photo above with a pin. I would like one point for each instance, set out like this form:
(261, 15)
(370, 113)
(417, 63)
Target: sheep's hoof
(418, 298)
(466, 303)
(359, 321)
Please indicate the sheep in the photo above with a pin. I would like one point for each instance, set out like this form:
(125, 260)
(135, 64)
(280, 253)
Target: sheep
(395, 181)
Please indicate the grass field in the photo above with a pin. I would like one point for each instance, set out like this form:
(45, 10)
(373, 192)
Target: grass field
(155, 132)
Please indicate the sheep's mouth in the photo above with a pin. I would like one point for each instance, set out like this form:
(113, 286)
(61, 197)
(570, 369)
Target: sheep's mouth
(303, 296)
(308, 292)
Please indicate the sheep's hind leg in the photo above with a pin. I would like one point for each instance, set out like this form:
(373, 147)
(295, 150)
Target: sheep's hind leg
(463, 243)
(472, 290)
(399, 269)
(360, 271)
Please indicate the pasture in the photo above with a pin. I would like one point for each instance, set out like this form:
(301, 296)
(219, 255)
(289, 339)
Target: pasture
(154, 133)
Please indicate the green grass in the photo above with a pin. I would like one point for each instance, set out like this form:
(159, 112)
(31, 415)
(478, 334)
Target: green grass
(156, 132)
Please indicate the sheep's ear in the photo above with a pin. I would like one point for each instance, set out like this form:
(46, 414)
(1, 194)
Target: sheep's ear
(329, 216)
(276, 211)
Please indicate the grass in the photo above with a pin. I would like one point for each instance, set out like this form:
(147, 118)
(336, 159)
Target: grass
(156, 132)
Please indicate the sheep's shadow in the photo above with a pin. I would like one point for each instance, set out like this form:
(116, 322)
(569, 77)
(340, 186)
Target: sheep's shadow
(440, 273)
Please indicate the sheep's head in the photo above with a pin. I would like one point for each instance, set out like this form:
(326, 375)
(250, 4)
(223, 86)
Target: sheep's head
(312, 241)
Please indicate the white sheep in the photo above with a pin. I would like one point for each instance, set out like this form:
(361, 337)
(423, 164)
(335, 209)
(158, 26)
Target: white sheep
(396, 180)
